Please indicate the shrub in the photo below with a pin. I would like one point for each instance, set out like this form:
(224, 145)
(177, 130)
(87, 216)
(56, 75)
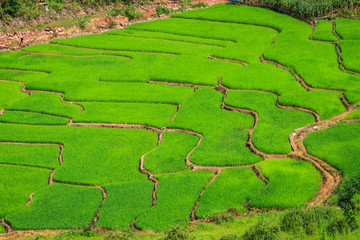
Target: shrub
(177, 233)
(162, 10)
(263, 230)
(230, 237)
(120, 234)
(222, 217)
(346, 192)
(83, 22)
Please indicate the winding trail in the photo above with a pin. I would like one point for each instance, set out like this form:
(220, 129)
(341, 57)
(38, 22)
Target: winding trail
(77, 56)
(228, 60)
(93, 222)
(7, 227)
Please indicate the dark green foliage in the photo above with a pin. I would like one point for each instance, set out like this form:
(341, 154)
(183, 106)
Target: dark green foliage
(230, 237)
(322, 220)
(310, 8)
(263, 230)
(222, 218)
(160, 9)
(120, 234)
(177, 233)
(348, 189)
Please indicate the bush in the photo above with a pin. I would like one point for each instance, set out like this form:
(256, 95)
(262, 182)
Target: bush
(263, 230)
(120, 234)
(222, 217)
(324, 220)
(83, 22)
(230, 237)
(162, 10)
(177, 233)
(347, 191)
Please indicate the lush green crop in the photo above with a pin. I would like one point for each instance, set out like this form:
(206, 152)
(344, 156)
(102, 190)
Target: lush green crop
(354, 115)
(91, 155)
(231, 189)
(338, 145)
(271, 135)
(291, 184)
(176, 75)
(124, 203)
(58, 207)
(348, 28)
(30, 155)
(17, 183)
(158, 115)
(225, 132)
(324, 31)
(176, 197)
(168, 36)
(2, 229)
(350, 54)
(170, 155)
(31, 118)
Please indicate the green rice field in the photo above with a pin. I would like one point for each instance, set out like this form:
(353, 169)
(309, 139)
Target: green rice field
(170, 121)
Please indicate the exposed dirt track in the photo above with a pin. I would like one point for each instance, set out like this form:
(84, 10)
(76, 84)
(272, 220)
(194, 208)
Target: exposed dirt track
(331, 177)
(30, 199)
(77, 56)
(7, 227)
(228, 60)
(93, 222)
(193, 212)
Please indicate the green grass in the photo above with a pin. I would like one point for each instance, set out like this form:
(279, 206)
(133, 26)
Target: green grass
(30, 155)
(91, 155)
(170, 155)
(291, 184)
(157, 115)
(128, 43)
(350, 54)
(251, 15)
(354, 115)
(168, 36)
(317, 65)
(271, 135)
(2, 229)
(348, 28)
(225, 133)
(176, 197)
(230, 190)
(58, 207)
(124, 203)
(324, 31)
(31, 118)
(17, 183)
(338, 145)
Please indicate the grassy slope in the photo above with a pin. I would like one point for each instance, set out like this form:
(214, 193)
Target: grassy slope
(291, 184)
(125, 202)
(225, 133)
(324, 31)
(58, 207)
(17, 183)
(177, 195)
(31, 118)
(157, 115)
(271, 135)
(91, 155)
(30, 155)
(348, 28)
(338, 145)
(231, 189)
(170, 155)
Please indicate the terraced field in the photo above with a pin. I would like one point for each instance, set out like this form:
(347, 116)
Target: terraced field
(169, 121)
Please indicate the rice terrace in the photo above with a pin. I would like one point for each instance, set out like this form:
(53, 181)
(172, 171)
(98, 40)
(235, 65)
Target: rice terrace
(226, 109)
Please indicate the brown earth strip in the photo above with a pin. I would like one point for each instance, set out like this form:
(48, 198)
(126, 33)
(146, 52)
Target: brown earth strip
(77, 56)
(228, 60)
(120, 51)
(177, 110)
(30, 199)
(7, 226)
(317, 117)
(193, 212)
(93, 222)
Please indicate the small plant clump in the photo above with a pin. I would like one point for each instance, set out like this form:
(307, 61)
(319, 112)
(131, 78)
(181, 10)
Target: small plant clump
(263, 230)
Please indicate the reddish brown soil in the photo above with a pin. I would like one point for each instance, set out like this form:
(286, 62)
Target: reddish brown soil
(11, 41)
